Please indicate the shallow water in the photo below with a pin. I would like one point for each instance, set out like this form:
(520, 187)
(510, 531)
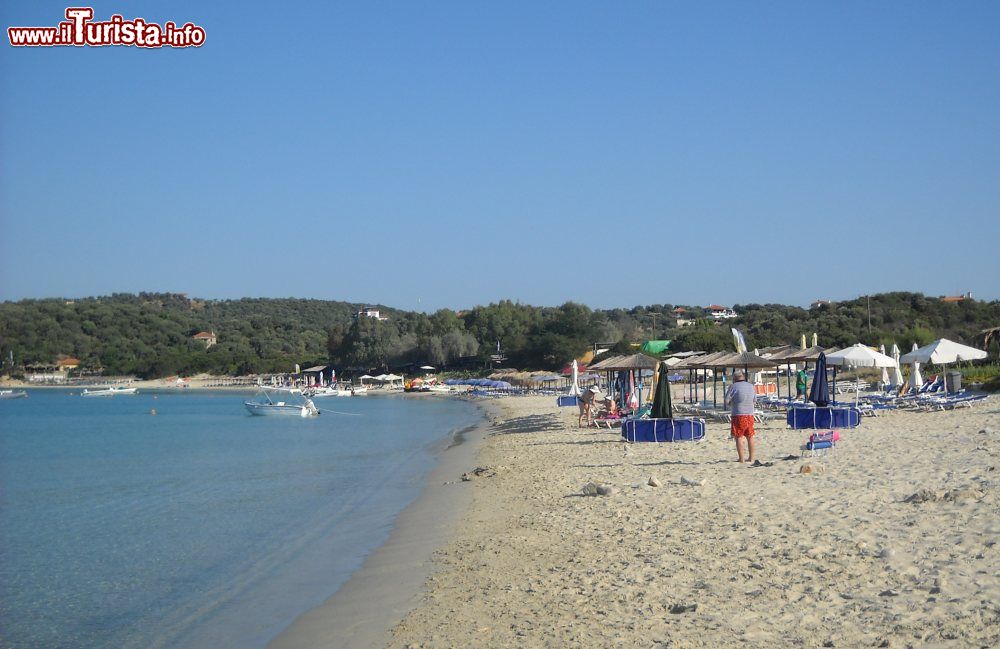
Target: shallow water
(200, 526)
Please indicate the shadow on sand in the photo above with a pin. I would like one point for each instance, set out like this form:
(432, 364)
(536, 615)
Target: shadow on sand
(528, 424)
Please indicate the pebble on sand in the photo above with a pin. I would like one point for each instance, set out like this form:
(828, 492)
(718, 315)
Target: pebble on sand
(653, 481)
(811, 468)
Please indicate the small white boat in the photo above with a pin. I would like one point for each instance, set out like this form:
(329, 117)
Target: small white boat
(108, 392)
(13, 394)
(338, 391)
(329, 391)
(300, 407)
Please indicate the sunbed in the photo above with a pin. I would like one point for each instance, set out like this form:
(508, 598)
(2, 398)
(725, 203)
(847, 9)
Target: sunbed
(688, 429)
(829, 417)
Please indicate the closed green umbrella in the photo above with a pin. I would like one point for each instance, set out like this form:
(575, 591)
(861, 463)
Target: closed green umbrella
(662, 408)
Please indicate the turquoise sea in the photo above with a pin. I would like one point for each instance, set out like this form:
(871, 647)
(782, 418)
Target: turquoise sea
(200, 526)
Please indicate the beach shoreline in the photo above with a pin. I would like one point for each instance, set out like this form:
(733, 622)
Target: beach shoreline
(895, 529)
(363, 612)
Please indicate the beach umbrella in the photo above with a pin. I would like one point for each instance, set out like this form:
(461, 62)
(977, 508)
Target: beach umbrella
(915, 379)
(633, 399)
(739, 341)
(859, 355)
(819, 393)
(802, 342)
(885, 370)
(662, 407)
(897, 376)
(656, 381)
(574, 390)
(815, 339)
(943, 352)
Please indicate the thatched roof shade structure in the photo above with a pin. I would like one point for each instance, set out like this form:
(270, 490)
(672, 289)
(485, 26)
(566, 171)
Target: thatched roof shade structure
(746, 360)
(806, 355)
(783, 353)
(600, 365)
(706, 361)
(633, 362)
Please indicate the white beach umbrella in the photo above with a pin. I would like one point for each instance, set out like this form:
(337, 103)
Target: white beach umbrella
(574, 389)
(815, 340)
(915, 379)
(885, 370)
(802, 342)
(897, 376)
(859, 356)
(943, 351)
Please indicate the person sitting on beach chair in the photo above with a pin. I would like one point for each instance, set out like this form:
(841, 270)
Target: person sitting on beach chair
(610, 408)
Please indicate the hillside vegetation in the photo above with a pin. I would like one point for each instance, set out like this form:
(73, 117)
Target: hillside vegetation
(150, 335)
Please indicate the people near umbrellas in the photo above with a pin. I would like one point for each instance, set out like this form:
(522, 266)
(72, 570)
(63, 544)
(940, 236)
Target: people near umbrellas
(586, 403)
(801, 382)
(741, 397)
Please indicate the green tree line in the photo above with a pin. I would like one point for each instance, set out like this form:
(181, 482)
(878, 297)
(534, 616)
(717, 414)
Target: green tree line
(150, 334)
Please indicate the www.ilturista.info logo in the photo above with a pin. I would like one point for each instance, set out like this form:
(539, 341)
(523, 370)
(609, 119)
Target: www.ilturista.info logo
(80, 30)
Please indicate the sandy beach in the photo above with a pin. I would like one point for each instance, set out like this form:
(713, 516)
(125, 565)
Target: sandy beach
(891, 540)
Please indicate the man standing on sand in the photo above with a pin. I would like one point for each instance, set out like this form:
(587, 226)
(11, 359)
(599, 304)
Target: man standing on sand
(741, 395)
(586, 402)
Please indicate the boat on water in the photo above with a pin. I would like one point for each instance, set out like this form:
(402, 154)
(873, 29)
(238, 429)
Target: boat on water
(298, 405)
(13, 394)
(108, 392)
(337, 391)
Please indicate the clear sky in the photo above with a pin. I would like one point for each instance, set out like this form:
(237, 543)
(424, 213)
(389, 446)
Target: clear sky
(447, 154)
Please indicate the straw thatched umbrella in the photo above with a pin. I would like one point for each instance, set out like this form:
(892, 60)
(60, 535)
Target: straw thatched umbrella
(705, 363)
(783, 356)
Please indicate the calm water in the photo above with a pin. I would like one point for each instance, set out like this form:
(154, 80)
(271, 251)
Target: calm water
(201, 526)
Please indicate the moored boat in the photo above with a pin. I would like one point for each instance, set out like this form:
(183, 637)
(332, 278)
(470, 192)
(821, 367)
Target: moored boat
(13, 394)
(302, 407)
(108, 392)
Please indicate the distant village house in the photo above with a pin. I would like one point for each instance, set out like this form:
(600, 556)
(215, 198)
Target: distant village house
(370, 312)
(66, 364)
(957, 298)
(207, 337)
(717, 312)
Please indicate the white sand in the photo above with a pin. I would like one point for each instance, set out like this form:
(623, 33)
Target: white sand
(769, 556)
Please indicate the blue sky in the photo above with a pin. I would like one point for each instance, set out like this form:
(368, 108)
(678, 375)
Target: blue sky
(447, 154)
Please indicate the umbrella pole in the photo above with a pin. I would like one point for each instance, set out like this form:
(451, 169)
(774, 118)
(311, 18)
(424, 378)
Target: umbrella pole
(715, 379)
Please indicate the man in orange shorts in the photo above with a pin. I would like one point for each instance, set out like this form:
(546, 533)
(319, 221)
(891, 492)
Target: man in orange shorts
(741, 397)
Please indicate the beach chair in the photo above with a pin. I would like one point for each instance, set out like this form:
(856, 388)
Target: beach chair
(687, 429)
(829, 417)
(820, 443)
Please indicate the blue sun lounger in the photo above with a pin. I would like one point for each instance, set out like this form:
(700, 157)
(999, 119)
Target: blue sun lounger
(799, 418)
(663, 430)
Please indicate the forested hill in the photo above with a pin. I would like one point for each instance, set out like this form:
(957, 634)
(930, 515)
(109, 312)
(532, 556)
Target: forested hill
(150, 335)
